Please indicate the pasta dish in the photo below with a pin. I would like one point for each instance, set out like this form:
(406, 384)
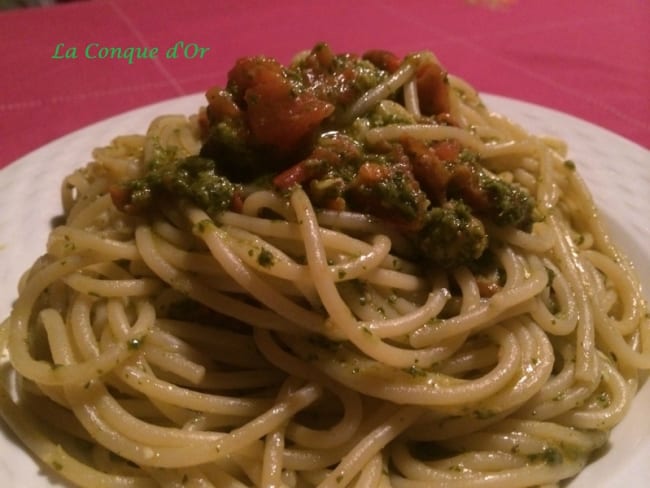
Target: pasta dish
(342, 272)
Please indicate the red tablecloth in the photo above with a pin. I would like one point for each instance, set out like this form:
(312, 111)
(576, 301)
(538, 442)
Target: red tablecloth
(584, 57)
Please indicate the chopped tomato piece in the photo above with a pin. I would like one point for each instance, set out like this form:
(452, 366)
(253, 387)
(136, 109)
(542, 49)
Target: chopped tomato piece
(278, 112)
(370, 173)
(120, 196)
(279, 117)
(448, 150)
(433, 90)
(295, 175)
(428, 168)
(385, 60)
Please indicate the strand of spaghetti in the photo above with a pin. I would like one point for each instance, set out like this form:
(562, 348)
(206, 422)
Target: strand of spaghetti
(89, 213)
(424, 132)
(190, 287)
(380, 92)
(140, 431)
(104, 404)
(310, 459)
(113, 288)
(332, 240)
(447, 469)
(122, 156)
(260, 199)
(536, 368)
(94, 203)
(341, 316)
(466, 91)
(202, 402)
(388, 278)
(540, 240)
(196, 262)
(271, 469)
(241, 242)
(510, 148)
(194, 455)
(51, 454)
(90, 398)
(627, 293)
(573, 268)
(351, 223)
(411, 101)
(82, 331)
(232, 348)
(183, 368)
(221, 478)
(377, 303)
(592, 220)
(335, 435)
(500, 440)
(537, 365)
(547, 193)
(398, 385)
(561, 393)
(117, 320)
(420, 475)
(409, 322)
(625, 353)
(108, 269)
(57, 336)
(270, 420)
(564, 318)
(619, 396)
(579, 439)
(372, 472)
(339, 312)
(73, 185)
(174, 235)
(171, 131)
(44, 372)
(177, 478)
(469, 359)
(213, 238)
(469, 291)
(248, 247)
(272, 460)
(487, 313)
(65, 238)
(371, 444)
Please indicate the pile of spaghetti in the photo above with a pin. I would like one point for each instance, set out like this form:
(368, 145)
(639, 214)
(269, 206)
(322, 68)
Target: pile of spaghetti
(341, 272)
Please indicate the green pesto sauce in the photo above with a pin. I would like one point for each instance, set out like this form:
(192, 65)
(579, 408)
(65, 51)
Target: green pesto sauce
(569, 164)
(445, 230)
(265, 258)
(549, 455)
(415, 372)
(510, 205)
(193, 178)
(452, 235)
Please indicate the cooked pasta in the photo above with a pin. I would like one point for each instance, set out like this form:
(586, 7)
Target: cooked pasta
(256, 296)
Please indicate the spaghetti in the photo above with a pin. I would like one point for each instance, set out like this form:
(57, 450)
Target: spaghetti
(462, 320)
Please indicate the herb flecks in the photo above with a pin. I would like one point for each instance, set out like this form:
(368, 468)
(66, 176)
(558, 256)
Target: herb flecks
(550, 455)
(265, 258)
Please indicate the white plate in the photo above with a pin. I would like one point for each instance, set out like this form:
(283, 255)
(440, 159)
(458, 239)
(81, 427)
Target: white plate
(617, 172)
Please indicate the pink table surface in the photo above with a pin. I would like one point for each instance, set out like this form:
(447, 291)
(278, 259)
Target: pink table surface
(584, 57)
